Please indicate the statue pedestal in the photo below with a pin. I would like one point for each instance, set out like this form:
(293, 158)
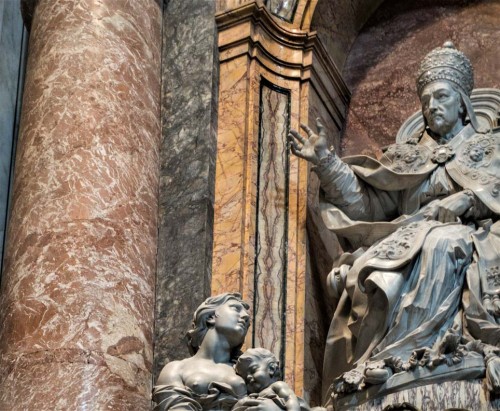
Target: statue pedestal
(467, 395)
(427, 390)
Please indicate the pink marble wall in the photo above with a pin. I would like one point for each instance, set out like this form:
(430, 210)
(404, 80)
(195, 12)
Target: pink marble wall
(78, 287)
(382, 63)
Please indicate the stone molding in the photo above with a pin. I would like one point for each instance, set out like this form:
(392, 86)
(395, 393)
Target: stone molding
(296, 54)
(301, 19)
(251, 29)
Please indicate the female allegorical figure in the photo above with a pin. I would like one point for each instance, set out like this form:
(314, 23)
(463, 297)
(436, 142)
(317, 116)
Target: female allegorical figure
(207, 380)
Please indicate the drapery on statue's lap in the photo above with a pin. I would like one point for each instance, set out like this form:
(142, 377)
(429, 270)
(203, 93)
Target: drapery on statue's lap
(419, 300)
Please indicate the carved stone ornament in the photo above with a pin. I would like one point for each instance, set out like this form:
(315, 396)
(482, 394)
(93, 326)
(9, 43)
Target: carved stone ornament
(446, 63)
(407, 158)
(477, 165)
(398, 244)
(442, 154)
(478, 153)
(491, 285)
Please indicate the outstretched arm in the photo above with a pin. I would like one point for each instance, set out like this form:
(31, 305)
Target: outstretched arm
(314, 148)
(341, 186)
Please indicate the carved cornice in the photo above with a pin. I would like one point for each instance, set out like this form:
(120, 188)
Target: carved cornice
(304, 10)
(251, 29)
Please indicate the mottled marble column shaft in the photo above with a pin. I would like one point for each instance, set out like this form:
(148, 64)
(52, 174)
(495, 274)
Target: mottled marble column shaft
(77, 293)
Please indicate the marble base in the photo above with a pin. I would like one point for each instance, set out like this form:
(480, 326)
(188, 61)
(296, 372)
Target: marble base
(424, 385)
(452, 395)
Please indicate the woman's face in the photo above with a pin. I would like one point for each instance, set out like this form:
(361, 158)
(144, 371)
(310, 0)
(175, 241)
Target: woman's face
(232, 320)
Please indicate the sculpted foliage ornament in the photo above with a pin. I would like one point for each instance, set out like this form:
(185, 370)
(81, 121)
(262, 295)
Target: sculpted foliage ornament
(419, 301)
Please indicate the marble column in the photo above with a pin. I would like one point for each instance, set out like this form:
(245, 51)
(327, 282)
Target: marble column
(187, 174)
(77, 295)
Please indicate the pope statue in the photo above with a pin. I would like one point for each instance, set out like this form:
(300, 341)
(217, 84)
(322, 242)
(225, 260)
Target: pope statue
(420, 295)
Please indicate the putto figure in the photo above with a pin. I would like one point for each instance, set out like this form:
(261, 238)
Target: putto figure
(418, 301)
(261, 371)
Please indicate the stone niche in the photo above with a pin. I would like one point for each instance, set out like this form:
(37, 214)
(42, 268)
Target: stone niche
(378, 47)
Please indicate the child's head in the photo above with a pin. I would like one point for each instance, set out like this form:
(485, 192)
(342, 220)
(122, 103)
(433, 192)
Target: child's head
(259, 368)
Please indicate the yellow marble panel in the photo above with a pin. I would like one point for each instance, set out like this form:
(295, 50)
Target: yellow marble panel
(235, 205)
(230, 169)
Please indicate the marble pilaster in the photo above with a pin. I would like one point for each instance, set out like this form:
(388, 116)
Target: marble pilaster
(270, 71)
(245, 254)
(77, 293)
(189, 123)
(13, 50)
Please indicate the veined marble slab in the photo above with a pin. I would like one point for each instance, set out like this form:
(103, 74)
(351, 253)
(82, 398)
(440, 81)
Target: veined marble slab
(272, 221)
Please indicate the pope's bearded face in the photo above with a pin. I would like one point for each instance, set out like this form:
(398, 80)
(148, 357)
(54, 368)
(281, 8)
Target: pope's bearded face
(441, 107)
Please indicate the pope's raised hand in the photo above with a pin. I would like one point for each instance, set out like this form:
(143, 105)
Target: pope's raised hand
(313, 148)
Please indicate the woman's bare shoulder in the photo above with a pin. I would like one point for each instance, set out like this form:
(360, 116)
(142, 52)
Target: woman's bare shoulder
(171, 374)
